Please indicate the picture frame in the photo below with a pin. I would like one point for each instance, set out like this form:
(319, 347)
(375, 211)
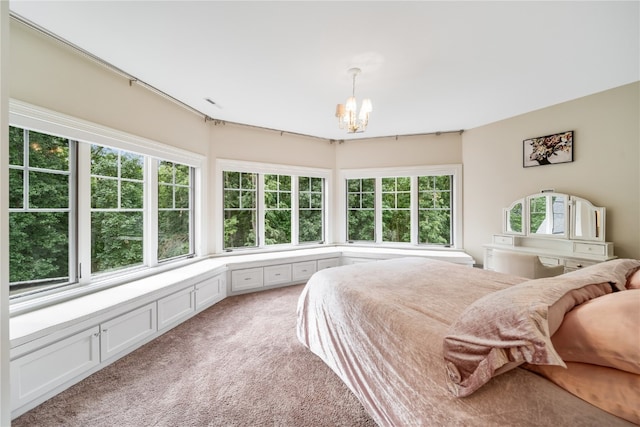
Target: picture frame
(548, 150)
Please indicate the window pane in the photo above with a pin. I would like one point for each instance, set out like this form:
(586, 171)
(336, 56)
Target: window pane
(310, 226)
(183, 175)
(165, 172)
(173, 234)
(396, 226)
(165, 196)
(435, 227)
(48, 190)
(48, 152)
(132, 195)
(104, 193)
(132, 165)
(277, 227)
(116, 240)
(38, 247)
(16, 187)
(104, 161)
(239, 228)
(182, 197)
(16, 146)
(361, 225)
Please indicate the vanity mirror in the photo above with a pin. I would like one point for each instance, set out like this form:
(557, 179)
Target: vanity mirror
(554, 215)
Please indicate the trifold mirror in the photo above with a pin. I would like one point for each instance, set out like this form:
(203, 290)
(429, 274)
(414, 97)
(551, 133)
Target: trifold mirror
(554, 215)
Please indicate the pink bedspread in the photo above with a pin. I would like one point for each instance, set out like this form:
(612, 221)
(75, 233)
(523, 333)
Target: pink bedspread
(380, 327)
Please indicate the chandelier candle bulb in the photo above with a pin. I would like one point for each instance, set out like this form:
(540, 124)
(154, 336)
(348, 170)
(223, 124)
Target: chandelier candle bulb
(346, 113)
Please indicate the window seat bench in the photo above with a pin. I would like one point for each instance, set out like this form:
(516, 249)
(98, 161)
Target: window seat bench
(58, 345)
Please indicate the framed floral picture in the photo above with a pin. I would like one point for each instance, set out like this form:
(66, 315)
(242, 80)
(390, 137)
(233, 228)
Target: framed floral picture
(548, 150)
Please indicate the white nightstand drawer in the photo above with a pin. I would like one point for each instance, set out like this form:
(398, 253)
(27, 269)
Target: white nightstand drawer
(589, 248)
(277, 274)
(247, 278)
(303, 270)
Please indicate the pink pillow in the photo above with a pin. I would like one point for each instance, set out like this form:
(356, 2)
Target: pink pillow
(633, 282)
(506, 328)
(609, 389)
(603, 331)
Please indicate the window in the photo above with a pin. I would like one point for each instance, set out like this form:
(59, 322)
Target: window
(117, 208)
(310, 209)
(435, 210)
(240, 209)
(277, 209)
(418, 206)
(361, 209)
(272, 205)
(40, 210)
(396, 209)
(96, 213)
(175, 217)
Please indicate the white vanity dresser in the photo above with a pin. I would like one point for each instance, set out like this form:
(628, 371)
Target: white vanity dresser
(561, 229)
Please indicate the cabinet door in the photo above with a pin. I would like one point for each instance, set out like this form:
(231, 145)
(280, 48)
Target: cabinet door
(301, 271)
(127, 331)
(210, 291)
(247, 278)
(175, 307)
(37, 373)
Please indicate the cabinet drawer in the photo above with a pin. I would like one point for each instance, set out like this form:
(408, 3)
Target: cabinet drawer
(503, 240)
(328, 263)
(175, 307)
(303, 270)
(549, 260)
(277, 274)
(247, 278)
(127, 331)
(589, 248)
(37, 373)
(574, 264)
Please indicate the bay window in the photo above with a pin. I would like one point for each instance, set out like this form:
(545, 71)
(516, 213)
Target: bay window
(267, 206)
(404, 206)
(92, 206)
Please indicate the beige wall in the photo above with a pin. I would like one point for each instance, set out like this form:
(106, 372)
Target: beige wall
(48, 74)
(606, 125)
(604, 170)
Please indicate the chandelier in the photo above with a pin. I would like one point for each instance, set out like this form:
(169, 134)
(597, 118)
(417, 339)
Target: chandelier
(346, 113)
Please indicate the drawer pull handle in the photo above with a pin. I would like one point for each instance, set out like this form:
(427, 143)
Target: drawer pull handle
(579, 265)
(247, 278)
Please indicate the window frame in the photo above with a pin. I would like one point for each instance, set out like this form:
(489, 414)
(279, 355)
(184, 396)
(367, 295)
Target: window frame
(261, 169)
(455, 170)
(38, 119)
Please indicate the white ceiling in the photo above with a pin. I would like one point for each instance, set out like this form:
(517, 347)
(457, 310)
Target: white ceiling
(427, 66)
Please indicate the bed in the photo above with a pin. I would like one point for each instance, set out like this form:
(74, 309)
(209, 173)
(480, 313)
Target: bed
(391, 330)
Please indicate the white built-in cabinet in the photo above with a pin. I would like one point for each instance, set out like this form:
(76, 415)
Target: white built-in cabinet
(269, 276)
(43, 367)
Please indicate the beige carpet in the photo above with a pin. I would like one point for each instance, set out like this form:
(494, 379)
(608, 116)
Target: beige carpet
(238, 363)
